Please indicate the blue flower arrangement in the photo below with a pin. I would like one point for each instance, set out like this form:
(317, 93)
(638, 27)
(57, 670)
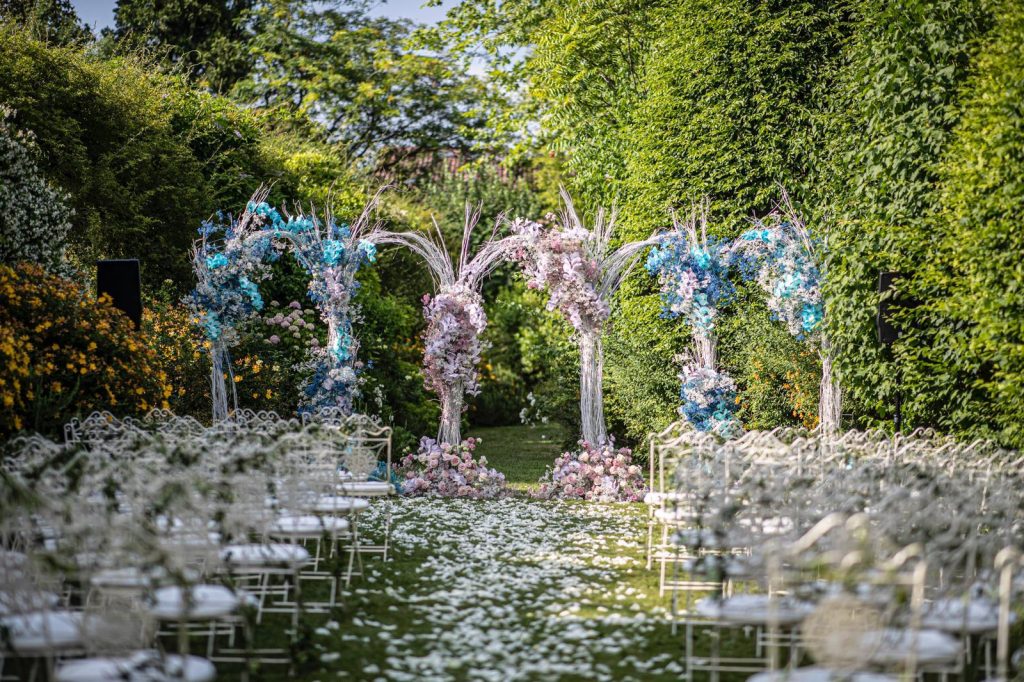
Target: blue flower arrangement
(693, 276)
(693, 272)
(780, 255)
(709, 401)
(231, 259)
(228, 269)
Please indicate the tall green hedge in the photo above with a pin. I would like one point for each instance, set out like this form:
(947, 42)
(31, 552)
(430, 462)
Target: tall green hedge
(967, 349)
(885, 129)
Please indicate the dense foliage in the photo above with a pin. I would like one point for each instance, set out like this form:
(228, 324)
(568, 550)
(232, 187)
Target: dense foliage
(967, 343)
(892, 110)
(205, 40)
(52, 21)
(352, 74)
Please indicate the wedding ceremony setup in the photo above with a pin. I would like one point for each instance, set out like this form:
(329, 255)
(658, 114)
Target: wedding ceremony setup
(511, 341)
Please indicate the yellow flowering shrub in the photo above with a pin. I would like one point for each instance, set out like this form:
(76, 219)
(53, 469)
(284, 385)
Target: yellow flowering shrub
(63, 353)
(168, 326)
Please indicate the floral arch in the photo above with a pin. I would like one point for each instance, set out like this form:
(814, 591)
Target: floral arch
(233, 256)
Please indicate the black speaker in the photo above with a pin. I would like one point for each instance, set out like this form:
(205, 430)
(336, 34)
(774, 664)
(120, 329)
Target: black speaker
(120, 280)
(887, 304)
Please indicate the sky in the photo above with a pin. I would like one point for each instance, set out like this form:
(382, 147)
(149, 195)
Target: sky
(99, 14)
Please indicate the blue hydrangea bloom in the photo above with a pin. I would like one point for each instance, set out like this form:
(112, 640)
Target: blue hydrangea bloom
(217, 260)
(369, 250)
(334, 251)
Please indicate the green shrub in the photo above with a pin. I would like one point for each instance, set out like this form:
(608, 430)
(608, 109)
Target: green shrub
(389, 345)
(777, 376)
(966, 345)
(890, 118)
(641, 373)
(732, 93)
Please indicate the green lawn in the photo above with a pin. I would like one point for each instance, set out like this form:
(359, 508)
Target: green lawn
(522, 453)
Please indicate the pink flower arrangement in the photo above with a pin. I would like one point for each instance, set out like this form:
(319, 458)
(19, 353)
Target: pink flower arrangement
(562, 260)
(449, 471)
(596, 474)
(452, 346)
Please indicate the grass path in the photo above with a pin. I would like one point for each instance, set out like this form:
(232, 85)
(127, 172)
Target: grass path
(512, 589)
(522, 453)
(505, 590)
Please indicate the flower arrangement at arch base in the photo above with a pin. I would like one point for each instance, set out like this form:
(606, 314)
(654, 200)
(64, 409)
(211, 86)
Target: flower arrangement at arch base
(449, 471)
(596, 473)
(709, 400)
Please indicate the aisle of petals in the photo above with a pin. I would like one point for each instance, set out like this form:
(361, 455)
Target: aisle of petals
(507, 590)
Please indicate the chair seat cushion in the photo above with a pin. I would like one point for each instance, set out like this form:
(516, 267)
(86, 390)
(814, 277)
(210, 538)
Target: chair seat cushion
(43, 631)
(815, 674)
(339, 504)
(890, 647)
(366, 488)
(976, 617)
(755, 609)
(14, 602)
(693, 537)
(120, 579)
(772, 525)
(271, 555)
(201, 602)
(674, 516)
(654, 498)
(145, 666)
(307, 526)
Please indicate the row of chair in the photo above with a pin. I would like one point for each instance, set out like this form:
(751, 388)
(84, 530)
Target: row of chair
(135, 542)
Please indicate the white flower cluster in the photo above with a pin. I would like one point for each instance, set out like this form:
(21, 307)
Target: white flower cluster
(34, 216)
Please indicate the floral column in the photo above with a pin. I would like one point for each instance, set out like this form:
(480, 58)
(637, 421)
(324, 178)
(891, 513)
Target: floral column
(581, 273)
(693, 272)
(455, 317)
(787, 267)
(229, 260)
(455, 321)
(332, 254)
